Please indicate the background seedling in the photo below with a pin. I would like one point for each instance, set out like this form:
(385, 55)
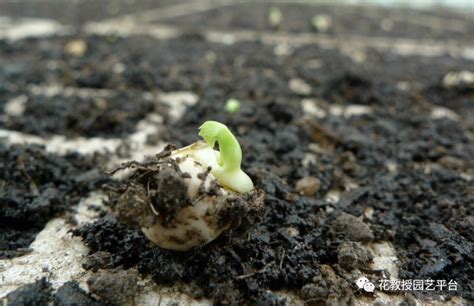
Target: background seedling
(275, 17)
(321, 23)
(232, 106)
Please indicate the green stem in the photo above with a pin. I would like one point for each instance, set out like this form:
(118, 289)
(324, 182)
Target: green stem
(230, 151)
(227, 172)
(229, 148)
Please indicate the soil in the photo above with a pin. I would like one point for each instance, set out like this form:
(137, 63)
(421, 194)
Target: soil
(116, 287)
(40, 293)
(71, 294)
(403, 175)
(37, 293)
(36, 187)
(112, 116)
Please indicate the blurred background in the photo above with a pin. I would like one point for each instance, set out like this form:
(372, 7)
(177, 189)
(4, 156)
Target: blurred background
(225, 48)
(219, 49)
(79, 11)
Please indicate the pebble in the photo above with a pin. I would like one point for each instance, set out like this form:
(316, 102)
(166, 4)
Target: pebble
(299, 87)
(308, 186)
(76, 47)
(459, 79)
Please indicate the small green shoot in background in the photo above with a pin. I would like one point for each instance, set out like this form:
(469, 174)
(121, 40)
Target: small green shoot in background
(275, 17)
(227, 171)
(232, 106)
(321, 23)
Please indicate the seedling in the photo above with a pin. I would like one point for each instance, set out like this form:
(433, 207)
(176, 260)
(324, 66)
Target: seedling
(227, 169)
(188, 197)
(321, 23)
(232, 106)
(275, 17)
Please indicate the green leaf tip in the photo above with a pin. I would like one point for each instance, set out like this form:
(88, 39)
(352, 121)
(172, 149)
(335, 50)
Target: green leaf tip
(232, 106)
(275, 16)
(228, 172)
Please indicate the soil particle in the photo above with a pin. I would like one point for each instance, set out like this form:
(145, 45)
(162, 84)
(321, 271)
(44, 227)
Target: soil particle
(350, 227)
(270, 298)
(171, 194)
(134, 208)
(299, 87)
(460, 80)
(242, 212)
(98, 260)
(323, 136)
(313, 294)
(308, 186)
(326, 288)
(352, 255)
(37, 293)
(70, 294)
(114, 287)
(156, 190)
(352, 89)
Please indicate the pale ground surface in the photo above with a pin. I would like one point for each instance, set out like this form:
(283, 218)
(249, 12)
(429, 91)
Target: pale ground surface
(58, 256)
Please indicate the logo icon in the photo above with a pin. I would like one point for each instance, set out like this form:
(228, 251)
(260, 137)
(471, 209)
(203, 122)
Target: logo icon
(364, 283)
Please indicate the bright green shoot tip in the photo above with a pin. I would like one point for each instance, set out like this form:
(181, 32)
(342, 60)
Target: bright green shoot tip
(227, 172)
(275, 16)
(232, 106)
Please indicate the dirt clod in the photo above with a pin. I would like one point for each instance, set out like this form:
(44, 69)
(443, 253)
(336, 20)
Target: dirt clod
(308, 186)
(37, 293)
(352, 228)
(114, 287)
(352, 255)
(170, 195)
(313, 294)
(70, 294)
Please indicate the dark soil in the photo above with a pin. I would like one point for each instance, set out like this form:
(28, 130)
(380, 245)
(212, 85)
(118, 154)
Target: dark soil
(111, 116)
(40, 293)
(70, 294)
(115, 287)
(37, 293)
(36, 187)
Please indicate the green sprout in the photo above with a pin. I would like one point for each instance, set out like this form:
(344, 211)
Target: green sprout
(321, 23)
(275, 17)
(227, 171)
(232, 106)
